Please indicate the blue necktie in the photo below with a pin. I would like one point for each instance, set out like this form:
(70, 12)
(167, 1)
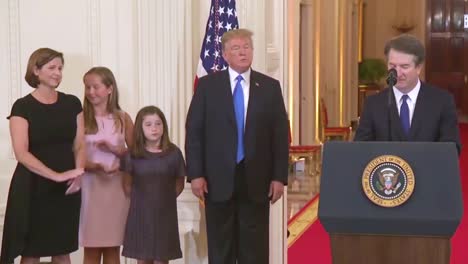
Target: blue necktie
(238, 97)
(404, 114)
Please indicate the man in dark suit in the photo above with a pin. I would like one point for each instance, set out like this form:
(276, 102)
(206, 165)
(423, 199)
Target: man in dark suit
(237, 153)
(410, 110)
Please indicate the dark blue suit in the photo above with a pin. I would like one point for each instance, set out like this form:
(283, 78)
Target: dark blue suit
(237, 203)
(434, 118)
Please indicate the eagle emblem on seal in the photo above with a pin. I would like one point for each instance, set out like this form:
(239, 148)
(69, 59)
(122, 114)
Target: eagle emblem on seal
(388, 181)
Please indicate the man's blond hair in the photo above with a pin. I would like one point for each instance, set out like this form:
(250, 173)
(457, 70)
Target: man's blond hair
(236, 33)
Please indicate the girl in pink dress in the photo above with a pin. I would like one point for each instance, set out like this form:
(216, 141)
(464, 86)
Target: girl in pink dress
(104, 203)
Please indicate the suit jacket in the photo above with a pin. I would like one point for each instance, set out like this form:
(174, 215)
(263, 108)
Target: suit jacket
(434, 118)
(211, 136)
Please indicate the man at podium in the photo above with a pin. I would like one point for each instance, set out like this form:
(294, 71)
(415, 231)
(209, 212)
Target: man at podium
(408, 110)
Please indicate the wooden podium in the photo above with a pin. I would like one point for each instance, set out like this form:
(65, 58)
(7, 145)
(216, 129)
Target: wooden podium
(389, 249)
(418, 230)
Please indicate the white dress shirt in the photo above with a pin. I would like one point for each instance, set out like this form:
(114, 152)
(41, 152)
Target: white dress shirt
(245, 86)
(411, 101)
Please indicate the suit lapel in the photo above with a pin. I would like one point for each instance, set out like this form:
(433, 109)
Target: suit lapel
(226, 97)
(253, 94)
(418, 112)
(395, 120)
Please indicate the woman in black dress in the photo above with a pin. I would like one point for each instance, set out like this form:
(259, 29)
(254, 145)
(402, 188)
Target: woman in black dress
(47, 134)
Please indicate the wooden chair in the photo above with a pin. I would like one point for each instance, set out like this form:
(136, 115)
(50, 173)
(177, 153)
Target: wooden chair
(332, 133)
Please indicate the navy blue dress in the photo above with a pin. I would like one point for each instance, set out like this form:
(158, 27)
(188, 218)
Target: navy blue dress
(152, 231)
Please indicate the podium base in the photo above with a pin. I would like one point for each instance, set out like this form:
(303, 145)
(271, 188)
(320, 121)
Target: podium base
(382, 249)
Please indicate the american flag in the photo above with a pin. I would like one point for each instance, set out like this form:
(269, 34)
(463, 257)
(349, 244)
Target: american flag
(222, 18)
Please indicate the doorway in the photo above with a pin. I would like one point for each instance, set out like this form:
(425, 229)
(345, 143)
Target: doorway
(447, 49)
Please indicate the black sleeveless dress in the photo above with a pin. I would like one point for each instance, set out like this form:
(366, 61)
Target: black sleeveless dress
(40, 219)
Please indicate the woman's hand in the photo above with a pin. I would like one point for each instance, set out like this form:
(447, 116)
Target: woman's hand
(68, 175)
(112, 168)
(94, 167)
(74, 186)
(106, 146)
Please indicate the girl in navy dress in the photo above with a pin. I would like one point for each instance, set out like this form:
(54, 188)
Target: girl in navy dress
(157, 169)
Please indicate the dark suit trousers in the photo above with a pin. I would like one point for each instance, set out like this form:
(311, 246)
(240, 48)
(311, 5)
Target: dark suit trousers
(238, 229)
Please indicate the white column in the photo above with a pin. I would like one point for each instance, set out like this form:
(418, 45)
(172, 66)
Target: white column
(308, 56)
(292, 66)
(350, 27)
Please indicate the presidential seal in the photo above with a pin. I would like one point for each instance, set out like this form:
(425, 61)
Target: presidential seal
(388, 181)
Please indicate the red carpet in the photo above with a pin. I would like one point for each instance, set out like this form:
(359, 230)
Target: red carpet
(313, 246)
(460, 239)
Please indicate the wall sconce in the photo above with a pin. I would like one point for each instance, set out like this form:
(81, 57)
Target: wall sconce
(403, 27)
(404, 20)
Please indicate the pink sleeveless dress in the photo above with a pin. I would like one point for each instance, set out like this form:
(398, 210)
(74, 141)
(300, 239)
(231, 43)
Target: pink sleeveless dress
(104, 206)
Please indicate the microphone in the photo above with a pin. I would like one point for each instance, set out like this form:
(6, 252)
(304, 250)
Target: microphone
(391, 81)
(392, 77)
